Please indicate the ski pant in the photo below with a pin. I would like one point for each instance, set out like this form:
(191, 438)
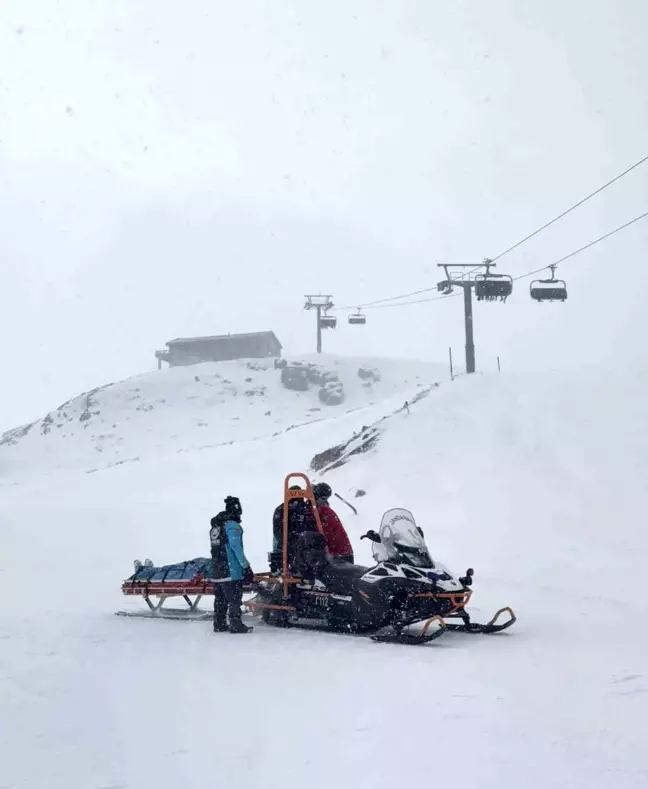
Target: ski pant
(348, 558)
(228, 597)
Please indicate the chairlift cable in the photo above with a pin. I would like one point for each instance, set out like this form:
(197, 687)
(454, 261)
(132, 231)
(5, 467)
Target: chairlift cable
(418, 301)
(528, 273)
(396, 298)
(391, 298)
(506, 251)
(583, 248)
(572, 208)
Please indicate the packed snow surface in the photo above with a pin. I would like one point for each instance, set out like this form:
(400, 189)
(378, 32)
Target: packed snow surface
(538, 482)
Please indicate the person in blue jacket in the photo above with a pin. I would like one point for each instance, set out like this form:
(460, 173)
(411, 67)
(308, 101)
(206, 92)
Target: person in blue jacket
(230, 567)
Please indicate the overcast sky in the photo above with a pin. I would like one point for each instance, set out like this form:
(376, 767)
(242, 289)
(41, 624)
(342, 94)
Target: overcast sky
(175, 169)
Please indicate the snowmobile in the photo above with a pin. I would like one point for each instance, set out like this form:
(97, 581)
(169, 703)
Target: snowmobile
(406, 598)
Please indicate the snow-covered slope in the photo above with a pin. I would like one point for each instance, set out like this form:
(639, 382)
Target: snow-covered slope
(199, 406)
(536, 481)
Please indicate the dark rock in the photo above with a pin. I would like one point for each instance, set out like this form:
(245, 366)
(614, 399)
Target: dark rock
(369, 374)
(314, 374)
(332, 394)
(328, 456)
(339, 455)
(293, 377)
(12, 437)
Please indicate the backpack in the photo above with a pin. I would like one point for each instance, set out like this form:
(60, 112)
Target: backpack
(300, 517)
(217, 533)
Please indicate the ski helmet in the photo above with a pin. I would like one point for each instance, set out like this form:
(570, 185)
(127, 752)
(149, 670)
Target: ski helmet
(322, 491)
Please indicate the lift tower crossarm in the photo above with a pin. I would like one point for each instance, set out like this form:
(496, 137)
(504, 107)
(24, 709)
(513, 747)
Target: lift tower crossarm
(447, 285)
(319, 303)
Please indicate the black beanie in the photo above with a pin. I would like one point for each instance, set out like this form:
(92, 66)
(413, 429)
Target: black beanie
(233, 505)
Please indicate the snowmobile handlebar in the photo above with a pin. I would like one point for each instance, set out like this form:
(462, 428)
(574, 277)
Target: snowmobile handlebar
(371, 535)
(468, 577)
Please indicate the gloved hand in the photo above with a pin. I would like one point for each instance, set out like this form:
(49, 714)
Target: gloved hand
(248, 575)
(275, 561)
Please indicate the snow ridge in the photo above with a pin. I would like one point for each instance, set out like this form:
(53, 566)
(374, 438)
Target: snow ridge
(206, 405)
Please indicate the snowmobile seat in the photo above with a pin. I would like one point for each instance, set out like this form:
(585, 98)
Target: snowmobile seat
(313, 562)
(310, 555)
(341, 577)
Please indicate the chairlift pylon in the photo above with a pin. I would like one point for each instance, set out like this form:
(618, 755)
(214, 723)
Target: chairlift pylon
(357, 318)
(549, 289)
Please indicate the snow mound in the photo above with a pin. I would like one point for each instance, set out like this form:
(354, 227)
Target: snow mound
(204, 405)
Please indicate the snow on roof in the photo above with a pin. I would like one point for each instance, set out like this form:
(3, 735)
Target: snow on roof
(222, 337)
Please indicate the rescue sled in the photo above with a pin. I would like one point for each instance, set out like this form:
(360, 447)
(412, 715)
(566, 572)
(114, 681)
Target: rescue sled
(156, 585)
(190, 580)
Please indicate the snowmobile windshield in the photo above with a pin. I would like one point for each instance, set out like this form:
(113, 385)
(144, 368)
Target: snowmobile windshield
(401, 540)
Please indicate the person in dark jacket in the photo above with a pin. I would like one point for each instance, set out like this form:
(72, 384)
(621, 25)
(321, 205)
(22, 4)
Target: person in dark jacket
(300, 520)
(230, 567)
(337, 540)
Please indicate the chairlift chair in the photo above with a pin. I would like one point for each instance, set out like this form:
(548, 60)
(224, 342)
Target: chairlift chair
(491, 287)
(548, 289)
(328, 322)
(357, 319)
(444, 287)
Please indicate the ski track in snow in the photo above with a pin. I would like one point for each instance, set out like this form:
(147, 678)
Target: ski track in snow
(537, 482)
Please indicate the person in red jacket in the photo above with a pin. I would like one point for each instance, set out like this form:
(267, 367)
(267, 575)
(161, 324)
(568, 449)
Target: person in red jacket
(337, 540)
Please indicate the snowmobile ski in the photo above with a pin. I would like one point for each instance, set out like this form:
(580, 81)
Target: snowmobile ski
(426, 635)
(489, 627)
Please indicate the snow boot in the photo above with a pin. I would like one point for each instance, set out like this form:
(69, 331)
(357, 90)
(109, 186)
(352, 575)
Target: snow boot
(236, 626)
(220, 626)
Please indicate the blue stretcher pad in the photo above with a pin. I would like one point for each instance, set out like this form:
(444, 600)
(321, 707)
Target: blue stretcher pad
(182, 571)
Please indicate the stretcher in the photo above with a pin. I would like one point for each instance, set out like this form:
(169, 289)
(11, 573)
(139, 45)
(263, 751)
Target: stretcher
(189, 580)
